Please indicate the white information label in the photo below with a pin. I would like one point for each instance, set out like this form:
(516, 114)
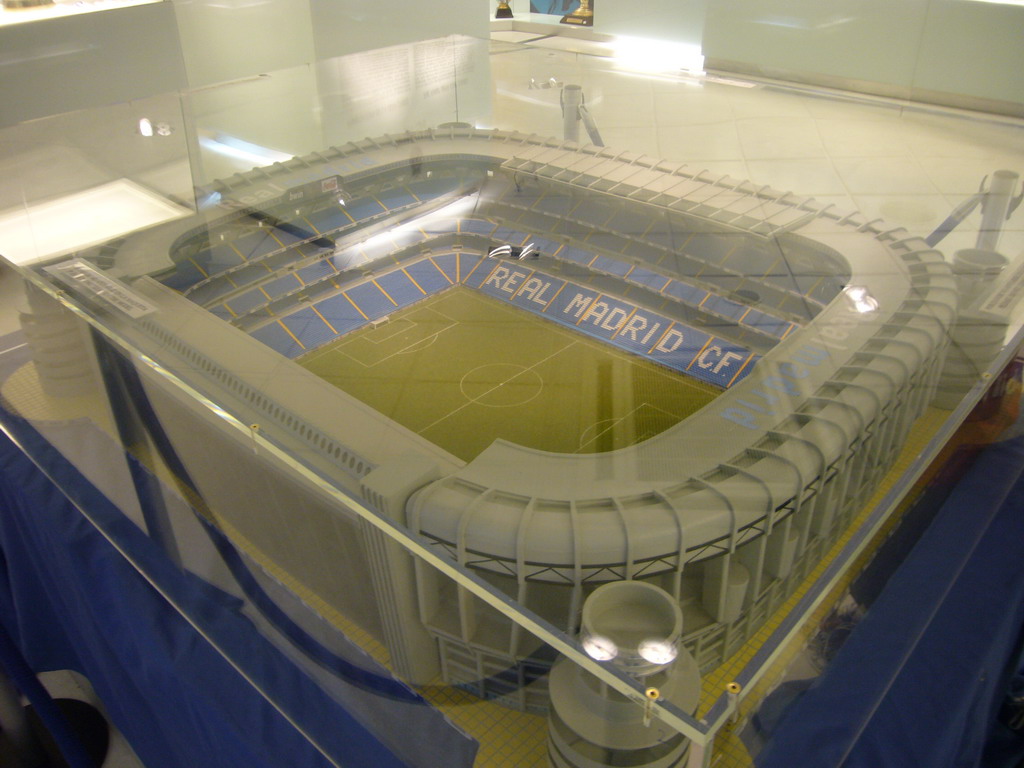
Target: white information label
(84, 277)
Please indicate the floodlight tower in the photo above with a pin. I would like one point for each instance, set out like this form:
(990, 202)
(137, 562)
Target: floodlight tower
(636, 626)
(574, 110)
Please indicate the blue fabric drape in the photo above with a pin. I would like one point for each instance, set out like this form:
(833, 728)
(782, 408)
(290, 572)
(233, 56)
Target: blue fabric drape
(920, 679)
(70, 600)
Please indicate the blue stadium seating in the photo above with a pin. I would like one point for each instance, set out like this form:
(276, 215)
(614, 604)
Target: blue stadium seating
(476, 226)
(546, 247)
(782, 279)
(185, 275)
(217, 258)
(593, 213)
(402, 287)
(429, 277)
(724, 307)
(281, 285)
(402, 290)
(796, 305)
(577, 255)
(529, 222)
(339, 312)
(467, 263)
(255, 245)
(210, 292)
(364, 208)
(246, 276)
(369, 298)
(556, 205)
(712, 248)
(753, 262)
(476, 274)
(766, 323)
(646, 278)
(277, 338)
(642, 252)
(670, 240)
(684, 292)
(292, 232)
(427, 189)
(449, 264)
(525, 197)
(679, 290)
(629, 223)
(607, 242)
(509, 235)
(318, 270)
(677, 264)
(247, 301)
(329, 220)
(611, 266)
(724, 285)
(396, 198)
(309, 328)
(805, 283)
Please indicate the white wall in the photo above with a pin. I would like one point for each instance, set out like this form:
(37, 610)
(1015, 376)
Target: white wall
(346, 26)
(973, 48)
(680, 21)
(230, 39)
(905, 48)
(404, 87)
(85, 60)
(309, 74)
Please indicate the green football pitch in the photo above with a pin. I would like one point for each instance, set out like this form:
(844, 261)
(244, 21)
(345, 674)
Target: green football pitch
(462, 369)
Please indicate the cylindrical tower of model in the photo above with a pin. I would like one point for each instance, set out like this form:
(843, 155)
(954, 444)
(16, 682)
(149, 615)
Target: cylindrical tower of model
(572, 97)
(637, 626)
(976, 269)
(55, 339)
(994, 208)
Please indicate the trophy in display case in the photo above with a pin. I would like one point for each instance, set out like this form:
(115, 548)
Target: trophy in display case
(582, 16)
(504, 10)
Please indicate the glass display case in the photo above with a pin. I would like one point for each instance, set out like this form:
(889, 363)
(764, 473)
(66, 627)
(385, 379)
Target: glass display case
(495, 404)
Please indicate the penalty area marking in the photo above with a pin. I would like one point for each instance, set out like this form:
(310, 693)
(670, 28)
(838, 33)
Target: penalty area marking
(384, 328)
(414, 346)
(607, 425)
(599, 428)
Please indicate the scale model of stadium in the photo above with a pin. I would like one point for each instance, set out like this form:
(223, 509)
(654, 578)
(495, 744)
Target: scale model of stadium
(825, 332)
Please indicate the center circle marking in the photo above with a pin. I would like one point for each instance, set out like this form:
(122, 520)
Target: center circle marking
(501, 385)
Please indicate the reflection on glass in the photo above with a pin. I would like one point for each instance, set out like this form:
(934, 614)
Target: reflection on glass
(657, 651)
(860, 298)
(600, 648)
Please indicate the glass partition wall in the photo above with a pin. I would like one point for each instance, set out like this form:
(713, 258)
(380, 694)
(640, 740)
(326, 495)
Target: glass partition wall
(533, 407)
